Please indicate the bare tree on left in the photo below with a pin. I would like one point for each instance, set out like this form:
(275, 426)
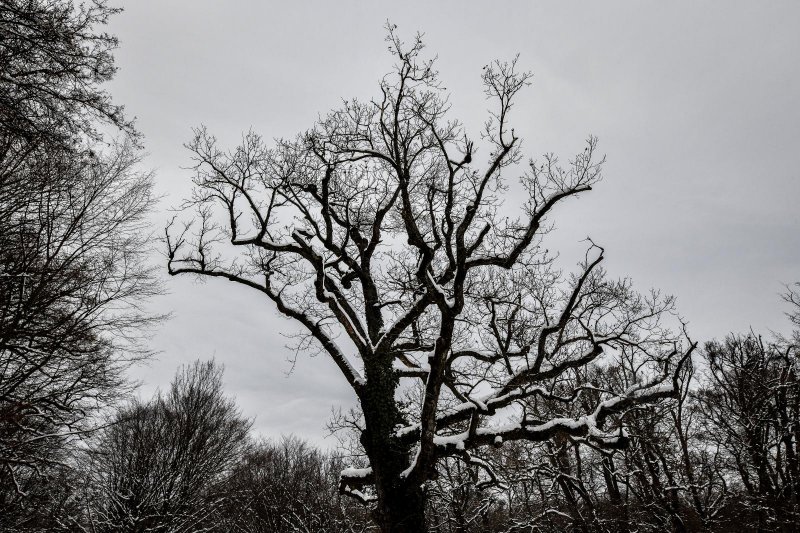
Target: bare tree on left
(73, 270)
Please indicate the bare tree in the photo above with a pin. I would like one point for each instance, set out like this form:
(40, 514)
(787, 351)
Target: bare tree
(160, 465)
(54, 59)
(380, 233)
(750, 402)
(72, 278)
(290, 486)
(73, 275)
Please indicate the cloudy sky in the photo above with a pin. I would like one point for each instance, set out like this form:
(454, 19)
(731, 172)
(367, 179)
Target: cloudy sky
(696, 105)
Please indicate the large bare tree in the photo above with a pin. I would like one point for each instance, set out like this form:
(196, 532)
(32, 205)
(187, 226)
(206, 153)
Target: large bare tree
(72, 278)
(73, 244)
(384, 234)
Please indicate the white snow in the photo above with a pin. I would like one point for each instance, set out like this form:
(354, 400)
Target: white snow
(360, 473)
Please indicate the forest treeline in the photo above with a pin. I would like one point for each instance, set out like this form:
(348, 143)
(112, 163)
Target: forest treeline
(621, 425)
(723, 456)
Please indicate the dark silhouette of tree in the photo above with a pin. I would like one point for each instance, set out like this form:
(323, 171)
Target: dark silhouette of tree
(72, 274)
(751, 405)
(72, 242)
(290, 486)
(382, 234)
(160, 464)
(496, 393)
(54, 60)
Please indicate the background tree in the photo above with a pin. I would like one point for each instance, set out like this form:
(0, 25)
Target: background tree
(751, 404)
(53, 60)
(380, 233)
(72, 242)
(290, 486)
(160, 464)
(460, 501)
(73, 270)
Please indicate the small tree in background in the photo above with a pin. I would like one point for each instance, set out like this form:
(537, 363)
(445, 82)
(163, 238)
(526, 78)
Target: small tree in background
(160, 465)
(290, 485)
(750, 400)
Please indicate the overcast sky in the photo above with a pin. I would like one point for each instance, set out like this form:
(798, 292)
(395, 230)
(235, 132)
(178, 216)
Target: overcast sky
(696, 105)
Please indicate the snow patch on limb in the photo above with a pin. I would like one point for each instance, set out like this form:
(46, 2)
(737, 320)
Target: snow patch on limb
(405, 473)
(456, 440)
(403, 431)
(358, 495)
(352, 481)
(556, 512)
(448, 301)
(641, 393)
(356, 473)
(488, 403)
(480, 404)
(350, 372)
(495, 430)
(405, 370)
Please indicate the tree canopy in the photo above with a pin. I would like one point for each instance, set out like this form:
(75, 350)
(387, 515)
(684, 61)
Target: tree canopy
(384, 234)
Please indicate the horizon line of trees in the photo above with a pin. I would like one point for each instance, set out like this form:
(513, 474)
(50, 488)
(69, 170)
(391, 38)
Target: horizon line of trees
(723, 456)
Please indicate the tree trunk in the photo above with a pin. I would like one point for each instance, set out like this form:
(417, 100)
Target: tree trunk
(401, 504)
(401, 508)
(614, 494)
